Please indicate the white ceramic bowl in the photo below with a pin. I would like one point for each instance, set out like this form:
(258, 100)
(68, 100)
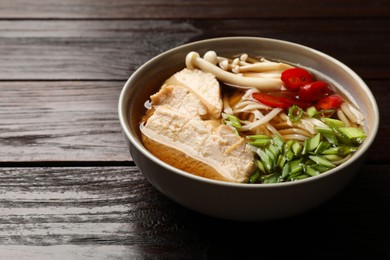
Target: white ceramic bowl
(243, 202)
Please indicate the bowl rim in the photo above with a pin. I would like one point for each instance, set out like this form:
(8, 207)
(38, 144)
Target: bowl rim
(122, 105)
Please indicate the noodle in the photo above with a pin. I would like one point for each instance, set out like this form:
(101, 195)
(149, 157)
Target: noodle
(272, 129)
(295, 137)
(263, 120)
(296, 131)
(300, 136)
(250, 106)
(342, 117)
(348, 113)
(226, 106)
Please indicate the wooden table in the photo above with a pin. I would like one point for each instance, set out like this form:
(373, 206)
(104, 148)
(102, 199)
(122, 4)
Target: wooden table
(68, 186)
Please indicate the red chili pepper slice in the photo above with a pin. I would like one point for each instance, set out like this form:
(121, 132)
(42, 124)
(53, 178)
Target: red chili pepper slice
(295, 78)
(314, 91)
(330, 102)
(273, 101)
(280, 101)
(302, 104)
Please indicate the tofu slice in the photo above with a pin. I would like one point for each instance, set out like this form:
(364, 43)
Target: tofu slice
(205, 148)
(180, 98)
(203, 85)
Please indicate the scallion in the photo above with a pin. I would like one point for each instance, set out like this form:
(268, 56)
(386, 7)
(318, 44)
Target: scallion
(259, 142)
(353, 133)
(295, 113)
(322, 161)
(331, 122)
(232, 120)
(311, 111)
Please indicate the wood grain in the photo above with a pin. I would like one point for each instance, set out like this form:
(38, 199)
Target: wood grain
(112, 50)
(61, 121)
(113, 212)
(83, 50)
(189, 9)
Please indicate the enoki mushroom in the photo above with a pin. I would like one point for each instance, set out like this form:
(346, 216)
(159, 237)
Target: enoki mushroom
(226, 72)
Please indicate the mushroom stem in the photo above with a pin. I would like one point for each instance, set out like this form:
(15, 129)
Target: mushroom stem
(193, 60)
(224, 64)
(264, 66)
(275, 75)
(251, 60)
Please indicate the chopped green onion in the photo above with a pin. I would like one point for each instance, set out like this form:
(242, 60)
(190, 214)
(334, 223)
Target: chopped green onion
(281, 161)
(332, 150)
(278, 141)
(232, 120)
(332, 157)
(311, 143)
(342, 150)
(321, 147)
(326, 113)
(272, 148)
(286, 170)
(314, 142)
(311, 111)
(254, 177)
(302, 176)
(311, 171)
(272, 156)
(331, 122)
(321, 168)
(289, 155)
(260, 166)
(341, 137)
(288, 145)
(345, 150)
(271, 178)
(306, 144)
(297, 148)
(259, 142)
(295, 113)
(266, 160)
(353, 133)
(322, 161)
(255, 137)
(328, 133)
(296, 166)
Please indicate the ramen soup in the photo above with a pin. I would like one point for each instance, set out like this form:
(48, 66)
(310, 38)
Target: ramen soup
(250, 120)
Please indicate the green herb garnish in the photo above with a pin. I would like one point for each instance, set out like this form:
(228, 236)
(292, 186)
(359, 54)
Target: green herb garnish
(283, 161)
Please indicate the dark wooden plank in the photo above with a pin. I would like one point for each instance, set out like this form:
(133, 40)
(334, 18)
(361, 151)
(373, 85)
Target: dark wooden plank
(78, 121)
(111, 50)
(103, 50)
(183, 9)
(113, 212)
(61, 121)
